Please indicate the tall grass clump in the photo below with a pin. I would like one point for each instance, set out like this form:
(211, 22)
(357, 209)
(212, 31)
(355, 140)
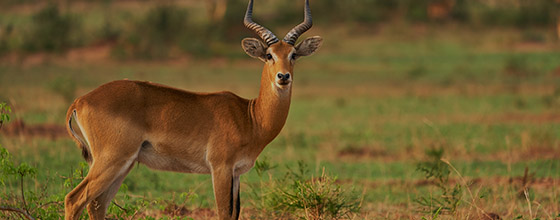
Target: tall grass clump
(297, 195)
(448, 197)
(51, 31)
(517, 71)
(518, 68)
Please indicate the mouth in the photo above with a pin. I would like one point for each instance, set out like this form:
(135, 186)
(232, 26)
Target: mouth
(283, 83)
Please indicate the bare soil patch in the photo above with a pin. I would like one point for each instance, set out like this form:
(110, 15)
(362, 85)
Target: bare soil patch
(20, 128)
(556, 72)
(519, 182)
(363, 152)
(550, 117)
(532, 151)
(174, 210)
(94, 53)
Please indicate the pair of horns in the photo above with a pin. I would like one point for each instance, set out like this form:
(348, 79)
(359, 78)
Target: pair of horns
(268, 36)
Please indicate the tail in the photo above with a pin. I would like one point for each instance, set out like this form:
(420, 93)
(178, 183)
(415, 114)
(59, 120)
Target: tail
(79, 140)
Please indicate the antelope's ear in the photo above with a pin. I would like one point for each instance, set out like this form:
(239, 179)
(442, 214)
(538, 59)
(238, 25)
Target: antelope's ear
(254, 48)
(309, 46)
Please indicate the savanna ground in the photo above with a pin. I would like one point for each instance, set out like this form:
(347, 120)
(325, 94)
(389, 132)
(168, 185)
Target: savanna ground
(370, 108)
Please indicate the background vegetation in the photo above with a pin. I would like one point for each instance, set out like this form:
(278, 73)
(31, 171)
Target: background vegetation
(432, 109)
(152, 30)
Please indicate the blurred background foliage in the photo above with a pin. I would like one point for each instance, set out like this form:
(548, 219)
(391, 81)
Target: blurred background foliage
(165, 29)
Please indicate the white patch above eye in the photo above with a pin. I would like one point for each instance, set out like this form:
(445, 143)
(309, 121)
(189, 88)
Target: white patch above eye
(291, 54)
(274, 56)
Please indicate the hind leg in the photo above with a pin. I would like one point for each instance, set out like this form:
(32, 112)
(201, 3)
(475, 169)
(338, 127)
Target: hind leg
(103, 174)
(98, 207)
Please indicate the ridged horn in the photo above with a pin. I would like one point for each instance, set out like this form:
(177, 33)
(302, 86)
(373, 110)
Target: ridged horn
(264, 33)
(294, 34)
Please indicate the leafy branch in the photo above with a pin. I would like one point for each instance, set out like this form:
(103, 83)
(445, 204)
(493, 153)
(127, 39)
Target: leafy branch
(4, 113)
(8, 168)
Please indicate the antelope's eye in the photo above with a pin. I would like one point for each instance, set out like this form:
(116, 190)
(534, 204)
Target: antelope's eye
(293, 56)
(268, 56)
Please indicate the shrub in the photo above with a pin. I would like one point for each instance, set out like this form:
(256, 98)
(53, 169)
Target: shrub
(416, 10)
(517, 68)
(156, 34)
(4, 113)
(435, 170)
(297, 196)
(526, 14)
(536, 13)
(318, 198)
(461, 11)
(361, 11)
(51, 31)
(416, 72)
(5, 35)
(28, 203)
(231, 28)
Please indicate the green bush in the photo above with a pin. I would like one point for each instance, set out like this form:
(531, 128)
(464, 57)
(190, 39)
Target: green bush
(518, 68)
(361, 11)
(5, 110)
(416, 10)
(168, 30)
(528, 14)
(28, 203)
(51, 31)
(298, 196)
(5, 35)
(448, 198)
(156, 33)
(536, 13)
(164, 32)
(231, 29)
(24, 203)
(462, 12)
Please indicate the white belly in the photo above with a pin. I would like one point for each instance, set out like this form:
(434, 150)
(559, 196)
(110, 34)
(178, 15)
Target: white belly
(163, 162)
(243, 166)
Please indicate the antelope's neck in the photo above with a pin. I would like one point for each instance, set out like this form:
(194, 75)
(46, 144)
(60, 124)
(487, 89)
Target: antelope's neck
(270, 109)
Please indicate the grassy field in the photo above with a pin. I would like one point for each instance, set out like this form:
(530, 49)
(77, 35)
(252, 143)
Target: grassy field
(366, 109)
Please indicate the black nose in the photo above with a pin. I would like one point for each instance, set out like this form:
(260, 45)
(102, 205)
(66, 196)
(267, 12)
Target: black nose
(283, 76)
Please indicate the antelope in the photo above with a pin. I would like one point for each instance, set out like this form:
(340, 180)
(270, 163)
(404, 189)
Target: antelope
(164, 128)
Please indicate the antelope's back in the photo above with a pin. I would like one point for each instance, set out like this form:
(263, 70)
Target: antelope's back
(152, 107)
